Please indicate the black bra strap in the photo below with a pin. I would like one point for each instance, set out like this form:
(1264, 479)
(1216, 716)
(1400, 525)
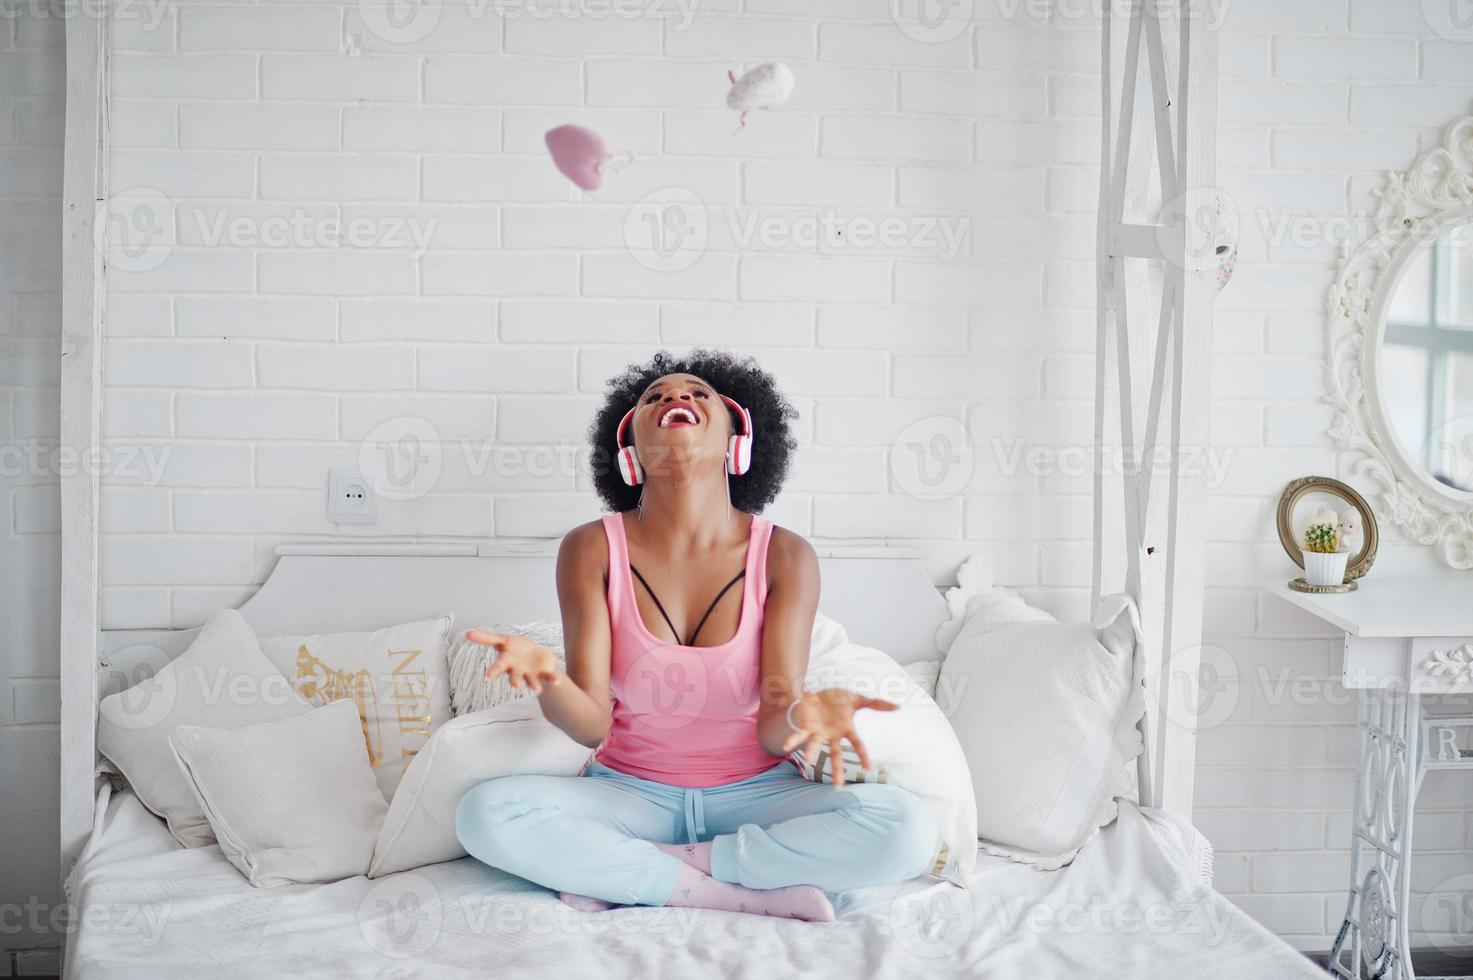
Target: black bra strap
(712, 607)
(658, 605)
(709, 609)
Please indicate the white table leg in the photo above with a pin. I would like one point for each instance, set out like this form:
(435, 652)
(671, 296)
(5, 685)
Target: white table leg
(1374, 938)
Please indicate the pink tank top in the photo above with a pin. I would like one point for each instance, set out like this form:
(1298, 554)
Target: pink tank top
(685, 716)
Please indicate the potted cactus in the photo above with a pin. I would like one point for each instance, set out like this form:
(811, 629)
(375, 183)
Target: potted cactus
(1324, 563)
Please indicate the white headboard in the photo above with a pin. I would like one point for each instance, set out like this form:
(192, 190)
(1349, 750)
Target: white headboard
(884, 599)
(883, 596)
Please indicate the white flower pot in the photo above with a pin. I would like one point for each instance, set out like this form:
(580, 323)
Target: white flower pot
(1325, 569)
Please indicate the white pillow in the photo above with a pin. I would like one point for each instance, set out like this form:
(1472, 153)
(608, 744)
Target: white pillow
(509, 739)
(925, 673)
(913, 748)
(396, 676)
(222, 680)
(469, 689)
(1046, 713)
(289, 800)
(981, 605)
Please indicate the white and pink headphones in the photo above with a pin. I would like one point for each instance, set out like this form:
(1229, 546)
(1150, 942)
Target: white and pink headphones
(738, 447)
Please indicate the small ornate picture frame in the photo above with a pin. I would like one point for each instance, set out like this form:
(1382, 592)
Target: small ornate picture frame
(1304, 491)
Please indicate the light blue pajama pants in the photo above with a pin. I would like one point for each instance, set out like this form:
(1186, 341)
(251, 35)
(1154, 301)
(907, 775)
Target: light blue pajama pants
(591, 834)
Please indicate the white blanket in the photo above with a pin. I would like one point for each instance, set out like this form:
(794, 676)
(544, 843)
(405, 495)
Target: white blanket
(1132, 905)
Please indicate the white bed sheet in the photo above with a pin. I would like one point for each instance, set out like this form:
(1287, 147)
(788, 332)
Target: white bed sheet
(1132, 905)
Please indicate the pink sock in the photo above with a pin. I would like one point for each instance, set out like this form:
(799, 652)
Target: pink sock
(585, 904)
(698, 856)
(694, 890)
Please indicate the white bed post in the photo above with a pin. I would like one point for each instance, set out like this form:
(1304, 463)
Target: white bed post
(84, 186)
(1153, 384)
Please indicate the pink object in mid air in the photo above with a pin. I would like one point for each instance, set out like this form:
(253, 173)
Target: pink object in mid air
(765, 87)
(579, 153)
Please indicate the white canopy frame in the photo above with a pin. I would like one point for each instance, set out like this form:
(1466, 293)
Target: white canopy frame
(1151, 384)
(1152, 387)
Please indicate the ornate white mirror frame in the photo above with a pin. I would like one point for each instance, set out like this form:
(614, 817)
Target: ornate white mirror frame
(1417, 205)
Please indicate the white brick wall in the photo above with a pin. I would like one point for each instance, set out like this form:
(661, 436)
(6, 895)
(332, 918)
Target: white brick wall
(32, 68)
(258, 366)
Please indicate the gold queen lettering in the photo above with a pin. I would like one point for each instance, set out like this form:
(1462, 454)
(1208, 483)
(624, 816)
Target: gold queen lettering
(410, 693)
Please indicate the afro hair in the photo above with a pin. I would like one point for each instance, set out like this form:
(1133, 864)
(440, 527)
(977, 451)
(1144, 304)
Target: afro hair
(739, 378)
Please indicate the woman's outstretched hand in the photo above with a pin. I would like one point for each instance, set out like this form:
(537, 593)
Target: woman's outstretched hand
(826, 718)
(522, 661)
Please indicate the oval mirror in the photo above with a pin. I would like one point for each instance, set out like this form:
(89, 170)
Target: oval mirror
(1424, 366)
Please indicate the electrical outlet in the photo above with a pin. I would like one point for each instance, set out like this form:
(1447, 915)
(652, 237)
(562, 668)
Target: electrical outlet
(349, 497)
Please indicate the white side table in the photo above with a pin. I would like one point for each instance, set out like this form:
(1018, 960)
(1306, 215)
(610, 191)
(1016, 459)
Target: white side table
(1404, 639)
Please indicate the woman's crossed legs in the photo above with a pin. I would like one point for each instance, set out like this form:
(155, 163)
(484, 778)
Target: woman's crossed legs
(769, 836)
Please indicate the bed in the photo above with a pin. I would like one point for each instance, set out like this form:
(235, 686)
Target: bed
(1137, 901)
(1133, 904)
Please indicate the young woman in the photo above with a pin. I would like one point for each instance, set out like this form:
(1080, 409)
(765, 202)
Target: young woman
(686, 620)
